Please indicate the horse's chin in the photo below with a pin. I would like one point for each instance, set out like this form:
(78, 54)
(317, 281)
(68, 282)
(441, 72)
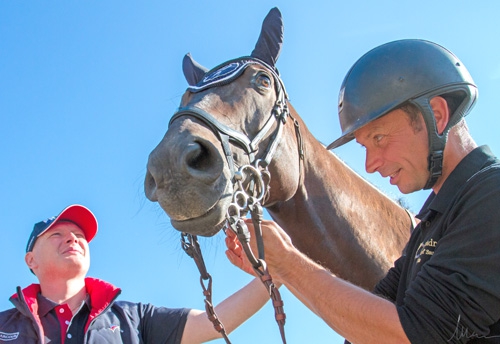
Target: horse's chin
(207, 225)
(205, 219)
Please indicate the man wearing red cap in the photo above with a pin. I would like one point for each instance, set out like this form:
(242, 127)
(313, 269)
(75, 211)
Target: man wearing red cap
(68, 307)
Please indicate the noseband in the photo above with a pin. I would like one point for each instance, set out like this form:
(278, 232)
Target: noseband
(251, 182)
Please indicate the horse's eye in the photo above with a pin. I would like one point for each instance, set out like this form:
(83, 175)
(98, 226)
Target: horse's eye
(263, 81)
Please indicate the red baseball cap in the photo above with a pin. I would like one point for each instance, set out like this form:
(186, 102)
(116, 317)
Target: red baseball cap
(78, 214)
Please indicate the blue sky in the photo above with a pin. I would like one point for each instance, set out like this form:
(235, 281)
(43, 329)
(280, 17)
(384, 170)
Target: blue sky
(87, 89)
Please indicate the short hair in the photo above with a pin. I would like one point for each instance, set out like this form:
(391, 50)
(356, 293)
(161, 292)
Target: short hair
(452, 99)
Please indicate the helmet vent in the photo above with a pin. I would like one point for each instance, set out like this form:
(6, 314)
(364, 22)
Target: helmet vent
(341, 99)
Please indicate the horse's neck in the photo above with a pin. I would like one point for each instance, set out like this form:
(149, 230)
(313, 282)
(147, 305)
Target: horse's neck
(341, 220)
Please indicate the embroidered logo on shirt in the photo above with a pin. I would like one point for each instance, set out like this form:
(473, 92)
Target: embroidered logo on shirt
(7, 337)
(425, 249)
(114, 327)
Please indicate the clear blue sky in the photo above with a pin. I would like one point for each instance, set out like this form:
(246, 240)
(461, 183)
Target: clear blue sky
(87, 89)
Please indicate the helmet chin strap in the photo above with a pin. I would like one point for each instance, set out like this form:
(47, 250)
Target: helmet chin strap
(437, 141)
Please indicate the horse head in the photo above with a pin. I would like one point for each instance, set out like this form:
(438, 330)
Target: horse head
(232, 116)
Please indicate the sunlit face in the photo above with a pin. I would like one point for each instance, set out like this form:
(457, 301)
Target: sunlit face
(62, 251)
(395, 149)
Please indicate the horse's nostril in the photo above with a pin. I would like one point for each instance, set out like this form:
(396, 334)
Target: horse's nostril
(203, 161)
(198, 157)
(150, 187)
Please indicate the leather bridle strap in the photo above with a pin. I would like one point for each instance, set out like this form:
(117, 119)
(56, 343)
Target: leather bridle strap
(192, 248)
(227, 134)
(259, 265)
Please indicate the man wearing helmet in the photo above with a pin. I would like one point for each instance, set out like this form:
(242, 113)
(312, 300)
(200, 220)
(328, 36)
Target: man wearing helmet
(405, 102)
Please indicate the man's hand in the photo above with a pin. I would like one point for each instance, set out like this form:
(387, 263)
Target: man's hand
(235, 253)
(277, 245)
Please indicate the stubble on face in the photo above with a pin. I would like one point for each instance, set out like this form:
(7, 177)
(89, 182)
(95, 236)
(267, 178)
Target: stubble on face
(396, 147)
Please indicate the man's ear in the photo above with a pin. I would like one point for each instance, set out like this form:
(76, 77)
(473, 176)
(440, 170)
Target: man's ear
(441, 113)
(30, 260)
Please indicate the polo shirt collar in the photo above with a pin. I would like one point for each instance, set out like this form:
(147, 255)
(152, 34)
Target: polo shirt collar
(45, 305)
(470, 164)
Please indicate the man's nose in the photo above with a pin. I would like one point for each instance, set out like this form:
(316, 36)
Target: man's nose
(372, 161)
(71, 237)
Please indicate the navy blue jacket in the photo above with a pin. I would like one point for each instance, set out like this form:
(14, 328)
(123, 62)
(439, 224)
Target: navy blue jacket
(109, 321)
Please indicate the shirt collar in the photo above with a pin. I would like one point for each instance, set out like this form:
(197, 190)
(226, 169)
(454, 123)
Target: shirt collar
(470, 164)
(45, 305)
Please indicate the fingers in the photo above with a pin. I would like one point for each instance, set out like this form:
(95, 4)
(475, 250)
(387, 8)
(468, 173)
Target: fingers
(240, 262)
(270, 230)
(230, 233)
(233, 258)
(233, 243)
(276, 244)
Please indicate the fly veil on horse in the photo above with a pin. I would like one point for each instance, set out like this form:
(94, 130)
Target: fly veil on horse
(236, 142)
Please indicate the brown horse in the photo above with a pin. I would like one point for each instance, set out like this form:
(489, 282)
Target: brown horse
(229, 117)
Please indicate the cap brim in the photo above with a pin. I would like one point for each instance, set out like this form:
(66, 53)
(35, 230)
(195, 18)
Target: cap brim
(82, 217)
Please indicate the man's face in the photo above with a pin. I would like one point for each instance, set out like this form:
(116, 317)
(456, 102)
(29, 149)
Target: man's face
(395, 149)
(62, 251)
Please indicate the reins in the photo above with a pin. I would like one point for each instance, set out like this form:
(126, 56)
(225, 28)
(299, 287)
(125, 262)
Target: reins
(191, 246)
(251, 186)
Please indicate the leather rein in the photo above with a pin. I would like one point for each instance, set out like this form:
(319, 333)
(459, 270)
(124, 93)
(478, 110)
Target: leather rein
(251, 186)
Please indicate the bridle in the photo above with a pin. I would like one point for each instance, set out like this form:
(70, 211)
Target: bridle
(226, 134)
(250, 185)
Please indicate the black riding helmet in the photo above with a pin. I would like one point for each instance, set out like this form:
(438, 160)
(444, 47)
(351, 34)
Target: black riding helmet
(405, 71)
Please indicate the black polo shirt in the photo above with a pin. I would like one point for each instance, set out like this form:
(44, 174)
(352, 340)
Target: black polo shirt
(59, 324)
(446, 286)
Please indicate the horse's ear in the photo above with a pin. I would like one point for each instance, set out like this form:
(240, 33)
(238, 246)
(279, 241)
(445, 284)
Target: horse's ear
(268, 46)
(193, 71)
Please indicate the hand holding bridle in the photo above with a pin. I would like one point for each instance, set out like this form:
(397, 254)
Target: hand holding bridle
(235, 253)
(276, 244)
